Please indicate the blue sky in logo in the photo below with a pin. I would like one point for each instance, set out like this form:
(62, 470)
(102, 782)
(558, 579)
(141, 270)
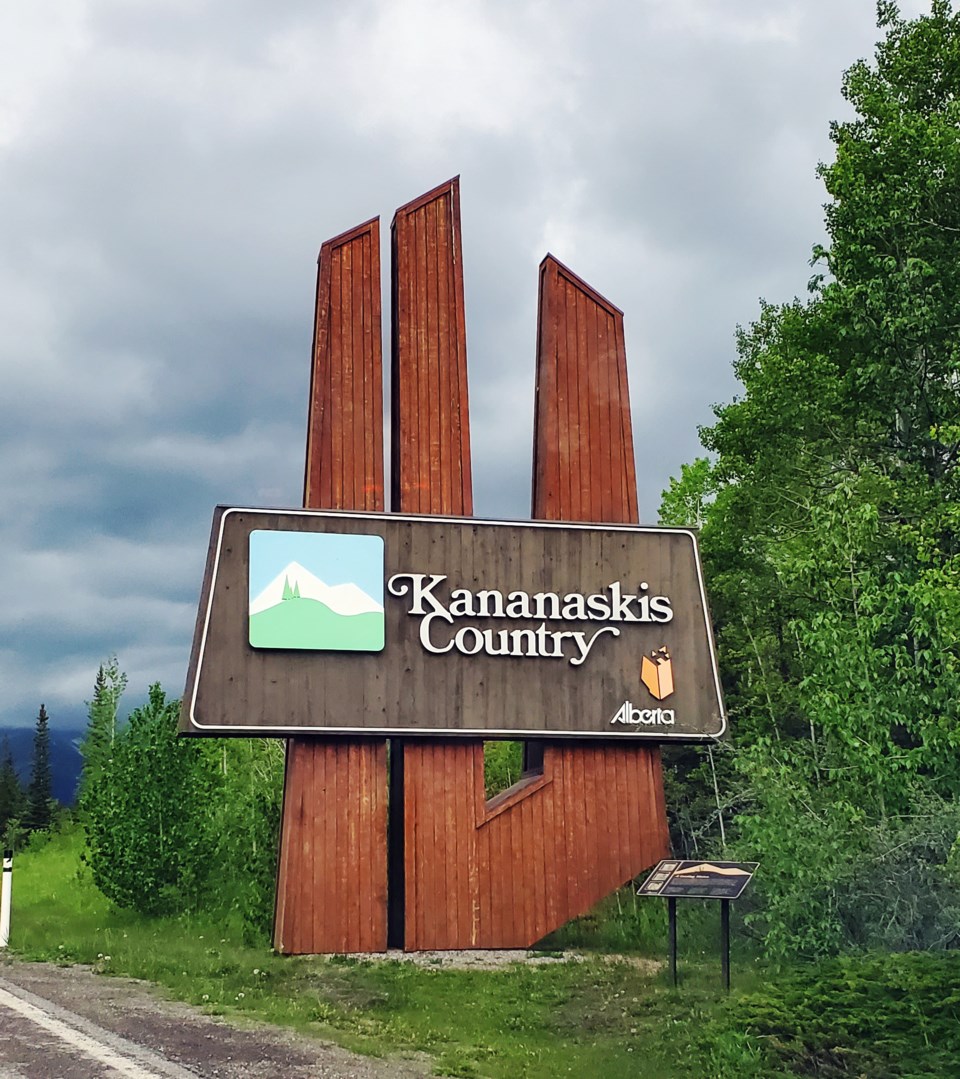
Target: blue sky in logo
(333, 557)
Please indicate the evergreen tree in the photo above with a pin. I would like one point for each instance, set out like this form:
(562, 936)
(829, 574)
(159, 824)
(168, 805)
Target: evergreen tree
(12, 798)
(40, 788)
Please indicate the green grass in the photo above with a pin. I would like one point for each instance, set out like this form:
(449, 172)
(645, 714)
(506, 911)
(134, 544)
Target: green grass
(584, 1019)
(308, 623)
(878, 1016)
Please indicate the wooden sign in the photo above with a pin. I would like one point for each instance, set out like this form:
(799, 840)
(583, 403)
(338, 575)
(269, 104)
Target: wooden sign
(375, 624)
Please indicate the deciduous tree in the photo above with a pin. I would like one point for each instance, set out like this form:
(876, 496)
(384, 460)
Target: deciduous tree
(832, 538)
(97, 746)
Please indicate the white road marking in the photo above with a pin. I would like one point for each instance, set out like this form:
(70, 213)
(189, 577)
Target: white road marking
(76, 1038)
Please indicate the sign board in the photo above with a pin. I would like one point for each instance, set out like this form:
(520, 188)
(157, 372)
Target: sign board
(674, 878)
(381, 624)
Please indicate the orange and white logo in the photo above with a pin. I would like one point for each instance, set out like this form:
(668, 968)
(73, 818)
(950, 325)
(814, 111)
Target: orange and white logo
(656, 673)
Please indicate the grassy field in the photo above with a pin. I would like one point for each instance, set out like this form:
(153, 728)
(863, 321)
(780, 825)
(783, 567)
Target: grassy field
(879, 1017)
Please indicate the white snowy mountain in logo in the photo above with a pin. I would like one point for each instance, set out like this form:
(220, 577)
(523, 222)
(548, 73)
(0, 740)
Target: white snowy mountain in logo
(344, 599)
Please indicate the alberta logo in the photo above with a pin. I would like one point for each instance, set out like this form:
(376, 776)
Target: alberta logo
(316, 591)
(656, 673)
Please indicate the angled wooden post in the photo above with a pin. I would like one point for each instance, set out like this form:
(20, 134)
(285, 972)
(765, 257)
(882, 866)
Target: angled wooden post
(594, 816)
(332, 878)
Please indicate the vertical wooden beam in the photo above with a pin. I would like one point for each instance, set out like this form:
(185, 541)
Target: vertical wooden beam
(433, 817)
(595, 816)
(332, 879)
(431, 427)
(583, 434)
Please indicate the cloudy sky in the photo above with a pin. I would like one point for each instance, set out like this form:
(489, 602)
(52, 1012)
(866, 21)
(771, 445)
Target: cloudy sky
(169, 168)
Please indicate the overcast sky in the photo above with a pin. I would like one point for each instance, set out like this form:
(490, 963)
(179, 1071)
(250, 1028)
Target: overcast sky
(169, 168)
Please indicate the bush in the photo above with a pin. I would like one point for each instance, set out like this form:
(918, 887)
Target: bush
(883, 1016)
(148, 813)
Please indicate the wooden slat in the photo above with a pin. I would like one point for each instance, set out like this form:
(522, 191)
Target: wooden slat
(431, 432)
(332, 879)
(583, 429)
(432, 474)
(599, 818)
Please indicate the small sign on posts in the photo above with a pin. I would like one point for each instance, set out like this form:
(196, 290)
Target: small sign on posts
(675, 878)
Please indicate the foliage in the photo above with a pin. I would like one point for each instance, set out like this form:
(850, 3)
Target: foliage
(178, 824)
(147, 820)
(97, 746)
(13, 799)
(502, 766)
(245, 819)
(881, 1016)
(830, 530)
(39, 807)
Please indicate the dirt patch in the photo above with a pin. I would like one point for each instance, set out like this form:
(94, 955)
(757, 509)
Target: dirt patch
(497, 958)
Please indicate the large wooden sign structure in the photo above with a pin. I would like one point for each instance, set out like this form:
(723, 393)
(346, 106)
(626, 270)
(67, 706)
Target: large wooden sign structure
(399, 845)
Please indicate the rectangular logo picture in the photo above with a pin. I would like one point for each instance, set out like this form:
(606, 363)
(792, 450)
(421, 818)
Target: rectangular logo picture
(316, 591)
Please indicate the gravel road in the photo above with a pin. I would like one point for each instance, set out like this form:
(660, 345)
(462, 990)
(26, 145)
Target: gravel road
(68, 1023)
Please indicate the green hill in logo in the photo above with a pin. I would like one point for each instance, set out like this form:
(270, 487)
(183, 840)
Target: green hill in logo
(297, 622)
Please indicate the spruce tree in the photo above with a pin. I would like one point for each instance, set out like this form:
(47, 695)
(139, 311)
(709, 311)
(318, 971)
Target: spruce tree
(40, 788)
(12, 798)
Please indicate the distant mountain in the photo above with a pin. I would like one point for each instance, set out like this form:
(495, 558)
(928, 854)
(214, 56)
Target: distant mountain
(711, 870)
(65, 759)
(343, 599)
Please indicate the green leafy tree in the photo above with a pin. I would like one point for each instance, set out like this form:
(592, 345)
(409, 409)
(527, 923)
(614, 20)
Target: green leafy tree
(245, 820)
(39, 808)
(832, 525)
(97, 746)
(149, 822)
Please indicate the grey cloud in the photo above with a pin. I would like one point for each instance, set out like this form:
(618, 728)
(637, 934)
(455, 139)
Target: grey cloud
(164, 189)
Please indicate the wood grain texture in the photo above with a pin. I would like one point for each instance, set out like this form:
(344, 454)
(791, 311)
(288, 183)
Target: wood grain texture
(344, 460)
(431, 473)
(583, 436)
(505, 873)
(431, 429)
(332, 875)
(602, 806)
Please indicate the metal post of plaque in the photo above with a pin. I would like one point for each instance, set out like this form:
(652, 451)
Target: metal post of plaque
(674, 879)
(672, 919)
